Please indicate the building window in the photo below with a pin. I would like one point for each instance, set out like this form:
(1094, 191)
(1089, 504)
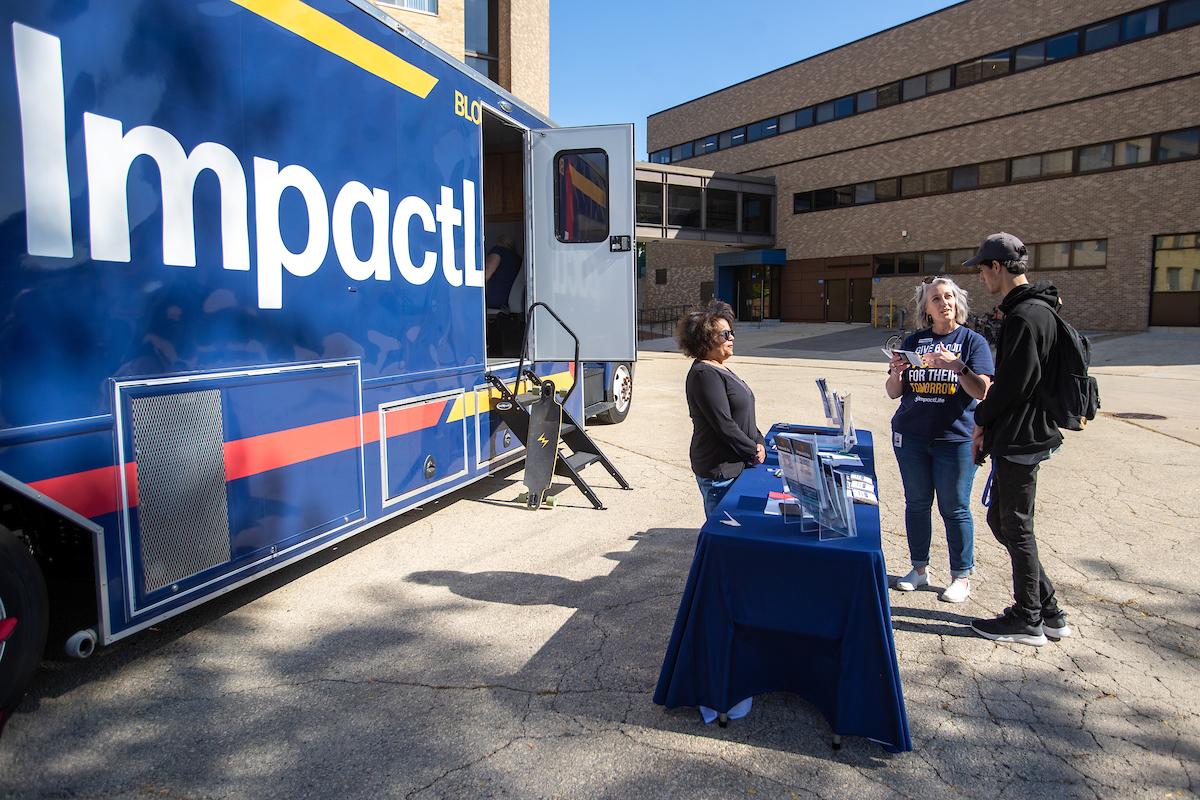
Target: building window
(843, 107)
(706, 145)
(1102, 36)
(956, 258)
(804, 117)
(737, 136)
(1060, 162)
(660, 277)
(1026, 167)
(1181, 13)
(993, 173)
(721, 209)
(1064, 46)
(864, 193)
(824, 199)
(966, 177)
(885, 264)
(825, 112)
(756, 213)
(681, 151)
(914, 87)
(1097, 156)
(1179, 144)
(1133, 151)
(938, 80)
(1089, 254)
(1030, 56)
(1054, 255)
(683, 205)
(937, 181)
(581, 196)
(844, 196)
(886, 189)
(802, 202)
(787, 122)
(908, 263)
(933, 263)
(912, 186)
(1176, 263)
(480, 36)
(649, 203)
(660, 157)
(866, 100)
(1139, 24)
(761, 130)
(888, 95)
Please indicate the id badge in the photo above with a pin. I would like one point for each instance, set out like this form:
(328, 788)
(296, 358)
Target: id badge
(897, 439)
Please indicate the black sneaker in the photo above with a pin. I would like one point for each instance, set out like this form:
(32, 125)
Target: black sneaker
(1055, 627)
(1008, 627)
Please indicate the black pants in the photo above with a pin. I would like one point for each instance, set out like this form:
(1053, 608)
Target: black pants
(1010, 517)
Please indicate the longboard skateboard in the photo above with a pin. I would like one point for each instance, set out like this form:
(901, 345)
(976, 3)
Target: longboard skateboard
(541, 456)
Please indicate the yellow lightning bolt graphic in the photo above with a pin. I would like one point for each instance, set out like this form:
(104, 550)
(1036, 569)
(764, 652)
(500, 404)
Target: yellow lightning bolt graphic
(543, 440)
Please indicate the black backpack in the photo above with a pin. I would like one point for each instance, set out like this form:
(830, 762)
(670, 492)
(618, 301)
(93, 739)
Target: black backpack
(1068, 393)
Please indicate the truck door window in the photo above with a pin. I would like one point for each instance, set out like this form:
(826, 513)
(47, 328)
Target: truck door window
(581, 196)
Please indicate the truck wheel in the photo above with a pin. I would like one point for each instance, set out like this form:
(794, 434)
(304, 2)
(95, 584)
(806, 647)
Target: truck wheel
(24, 619)
(622, 395)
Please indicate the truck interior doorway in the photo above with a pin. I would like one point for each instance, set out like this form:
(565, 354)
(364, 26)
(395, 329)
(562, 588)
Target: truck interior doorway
(505, 250)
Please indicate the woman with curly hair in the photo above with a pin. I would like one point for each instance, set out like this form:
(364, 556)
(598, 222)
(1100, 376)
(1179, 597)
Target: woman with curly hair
(725, 436)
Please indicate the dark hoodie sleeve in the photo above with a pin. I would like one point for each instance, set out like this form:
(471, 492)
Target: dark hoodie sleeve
(1017, 376)
(713, 403)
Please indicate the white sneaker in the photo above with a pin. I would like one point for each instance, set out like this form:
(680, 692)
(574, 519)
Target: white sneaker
(913, 580)
(957, 592)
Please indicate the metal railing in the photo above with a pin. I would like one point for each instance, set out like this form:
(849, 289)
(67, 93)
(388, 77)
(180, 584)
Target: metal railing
(658, 323)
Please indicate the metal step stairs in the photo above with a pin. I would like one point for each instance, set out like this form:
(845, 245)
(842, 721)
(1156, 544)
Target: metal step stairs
(514, 410)
(576, 450)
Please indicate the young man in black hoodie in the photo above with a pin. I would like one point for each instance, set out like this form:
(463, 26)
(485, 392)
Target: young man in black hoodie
(1013, 427)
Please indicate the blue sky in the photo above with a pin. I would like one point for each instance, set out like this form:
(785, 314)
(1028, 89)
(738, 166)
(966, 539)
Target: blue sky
(621, 60)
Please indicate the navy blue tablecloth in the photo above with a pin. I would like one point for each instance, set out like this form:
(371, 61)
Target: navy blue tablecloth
(770, 608)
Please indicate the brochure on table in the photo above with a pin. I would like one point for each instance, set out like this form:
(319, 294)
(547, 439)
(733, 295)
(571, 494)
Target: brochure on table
(822, 492)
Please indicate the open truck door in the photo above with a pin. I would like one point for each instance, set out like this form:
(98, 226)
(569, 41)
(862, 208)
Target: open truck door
(581, 242)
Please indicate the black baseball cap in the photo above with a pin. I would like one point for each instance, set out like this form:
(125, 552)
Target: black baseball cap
(1000, 247)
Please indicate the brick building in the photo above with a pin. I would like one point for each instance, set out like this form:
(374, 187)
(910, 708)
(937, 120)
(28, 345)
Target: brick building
(1075, 126)
(506, 40)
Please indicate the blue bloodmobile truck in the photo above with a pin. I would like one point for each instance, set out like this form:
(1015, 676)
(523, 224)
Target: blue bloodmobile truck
(242, 295)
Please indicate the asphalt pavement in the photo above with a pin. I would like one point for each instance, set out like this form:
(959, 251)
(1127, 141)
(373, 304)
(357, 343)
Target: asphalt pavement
(474, 648)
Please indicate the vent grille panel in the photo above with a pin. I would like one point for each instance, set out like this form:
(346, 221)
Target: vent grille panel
(183, 510)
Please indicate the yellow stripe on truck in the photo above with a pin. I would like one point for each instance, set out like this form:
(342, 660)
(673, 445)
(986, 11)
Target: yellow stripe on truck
(329, 34)
(485, 399)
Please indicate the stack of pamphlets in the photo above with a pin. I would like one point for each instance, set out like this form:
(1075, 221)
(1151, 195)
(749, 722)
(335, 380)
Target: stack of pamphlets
(837, 413)
(820, 489)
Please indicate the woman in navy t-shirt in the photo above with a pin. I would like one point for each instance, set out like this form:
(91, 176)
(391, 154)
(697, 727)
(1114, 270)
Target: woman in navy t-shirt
(931, 431)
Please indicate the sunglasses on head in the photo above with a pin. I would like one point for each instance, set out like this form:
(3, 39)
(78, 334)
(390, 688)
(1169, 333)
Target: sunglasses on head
(934, 278)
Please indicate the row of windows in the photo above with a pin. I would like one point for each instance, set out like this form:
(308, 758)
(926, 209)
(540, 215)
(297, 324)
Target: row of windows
(1085, 254)
(711, 209)
(1131, 27)
(1176, 263)
(1143, 150)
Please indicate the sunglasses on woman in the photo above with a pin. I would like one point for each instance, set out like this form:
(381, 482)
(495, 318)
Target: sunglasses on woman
(727, 336)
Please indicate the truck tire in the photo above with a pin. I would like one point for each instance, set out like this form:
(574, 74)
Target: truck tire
(621, 387)
(23, 598)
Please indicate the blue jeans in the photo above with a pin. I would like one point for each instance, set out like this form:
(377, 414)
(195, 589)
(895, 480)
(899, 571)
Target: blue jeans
(712, 490)
(929, 466)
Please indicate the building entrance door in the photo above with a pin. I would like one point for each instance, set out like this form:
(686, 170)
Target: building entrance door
(837, 300)
(758, 293)
(1175, 281)
(860, 299)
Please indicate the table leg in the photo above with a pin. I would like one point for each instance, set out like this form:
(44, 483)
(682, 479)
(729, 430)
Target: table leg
(723, 720)
(837, 741)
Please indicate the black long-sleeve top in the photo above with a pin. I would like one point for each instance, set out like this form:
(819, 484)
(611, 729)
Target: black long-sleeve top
(725, 436)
